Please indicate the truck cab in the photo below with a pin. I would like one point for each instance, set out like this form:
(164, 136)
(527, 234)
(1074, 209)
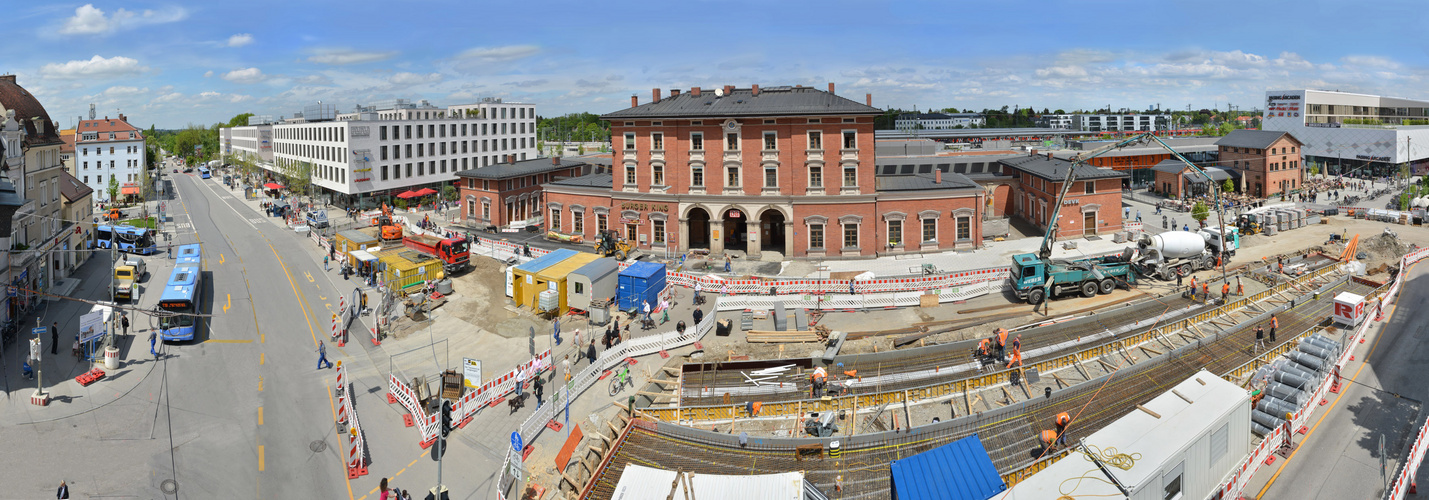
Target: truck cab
(1213, 240)
(1028, 273)
(122, 285)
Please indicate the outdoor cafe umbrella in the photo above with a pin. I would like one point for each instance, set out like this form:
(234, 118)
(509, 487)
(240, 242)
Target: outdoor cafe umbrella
(273, 185)
(426, 191)
(408, 195)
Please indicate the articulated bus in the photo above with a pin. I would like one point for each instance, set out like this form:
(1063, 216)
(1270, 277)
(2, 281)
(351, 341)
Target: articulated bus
(103, 236)
(182, 296)
(190, 254)
(132, 239)
(203, 173)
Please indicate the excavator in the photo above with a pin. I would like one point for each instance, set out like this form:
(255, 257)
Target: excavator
(390, 230)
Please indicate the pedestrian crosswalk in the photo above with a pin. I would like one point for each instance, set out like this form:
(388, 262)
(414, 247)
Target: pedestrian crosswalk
(256, 220)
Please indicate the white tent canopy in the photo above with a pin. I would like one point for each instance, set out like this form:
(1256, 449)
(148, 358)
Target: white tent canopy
(645, 483)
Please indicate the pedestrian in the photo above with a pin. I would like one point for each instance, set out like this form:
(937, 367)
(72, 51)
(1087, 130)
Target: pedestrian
(1259, 337)
(1138, 216)
(680, 327)
(124, 321)
(153, 342)
(566, 368)
(325, 264)
(63, 492)
(1206, 290)
(728, 264)
(646, 310)
(406, 496)
(54, 337)
(1274, 324)
(664, 311)
(539, 386)
(322, 355)
(1226, 290)
(1179, 281)
(698, 288)
(590, 352)
(520, 381)
(385, 493)
(699, 315)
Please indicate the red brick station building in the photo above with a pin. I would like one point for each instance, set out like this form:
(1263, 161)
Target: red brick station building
(789, 170)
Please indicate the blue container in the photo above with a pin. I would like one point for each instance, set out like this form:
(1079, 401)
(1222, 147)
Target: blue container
(639, 283)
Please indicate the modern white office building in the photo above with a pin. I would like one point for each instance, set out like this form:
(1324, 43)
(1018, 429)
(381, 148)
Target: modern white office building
(390, 147)
(1059, 122)
(108, 149)
(254, 141)
(1344, 132)
(938, 121)
(1114, 123)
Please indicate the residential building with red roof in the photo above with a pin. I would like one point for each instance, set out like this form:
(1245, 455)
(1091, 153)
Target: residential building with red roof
(109, 149)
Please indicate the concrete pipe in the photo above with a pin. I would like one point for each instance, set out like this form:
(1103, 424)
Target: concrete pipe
(1265, 419)
(1274, 406)
(1283, 391)
(1259, 430)
(1288, 377)
(1309, 361)
(1324, 343)
(1316, 351)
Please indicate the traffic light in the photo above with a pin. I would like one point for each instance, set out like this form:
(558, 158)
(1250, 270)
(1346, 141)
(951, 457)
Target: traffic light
(446, 418)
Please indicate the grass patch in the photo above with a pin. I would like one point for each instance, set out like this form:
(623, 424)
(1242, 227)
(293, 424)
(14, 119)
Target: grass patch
(149, 222)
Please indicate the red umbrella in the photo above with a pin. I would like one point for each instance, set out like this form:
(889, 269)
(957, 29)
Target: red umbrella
(426, 191)
(273, 185)
(408, 194)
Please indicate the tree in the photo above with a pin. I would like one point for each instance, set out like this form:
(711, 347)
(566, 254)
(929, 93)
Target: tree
(298, 176)
(1404, 201)
(1228, 186)
(239, 120)
(1200, 211)
(113, 189)
(1314, 169)
(449, 192)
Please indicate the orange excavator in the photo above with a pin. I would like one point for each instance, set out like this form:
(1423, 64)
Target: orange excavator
(390, 229)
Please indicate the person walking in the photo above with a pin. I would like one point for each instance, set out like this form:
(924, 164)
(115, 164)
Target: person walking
(63, 492)
(1226, 290)
(54, 337)
(325, 264)
(646, 310)
(1274, 324)
(698, 315)
(385, 494)
(153, 341)
(566, 368)
(322, 355)
(664, 311)
(1138, 216)
(124, 322)
(539, 386)
(727, 263)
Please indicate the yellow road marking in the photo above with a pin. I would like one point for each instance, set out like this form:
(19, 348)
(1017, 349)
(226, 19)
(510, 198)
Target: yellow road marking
(220, 258)
(260, 415)
(229, 304)
(260, 358)
(305, 273)
(260, 383)
(260, 458)
(228, 341)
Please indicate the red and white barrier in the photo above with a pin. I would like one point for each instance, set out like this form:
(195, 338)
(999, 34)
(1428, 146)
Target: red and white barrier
(408, 398)
(356, 461)
(499, 386)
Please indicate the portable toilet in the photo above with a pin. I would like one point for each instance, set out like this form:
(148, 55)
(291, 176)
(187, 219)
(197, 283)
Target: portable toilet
(525, 286)
(595, 280)
(639, 283)
(556, 275)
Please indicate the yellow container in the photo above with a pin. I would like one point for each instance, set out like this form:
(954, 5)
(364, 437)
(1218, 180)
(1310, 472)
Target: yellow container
(349, 240)
(403, 267)
(555, 276)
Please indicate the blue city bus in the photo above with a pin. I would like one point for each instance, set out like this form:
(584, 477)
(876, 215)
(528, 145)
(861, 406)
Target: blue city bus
(132, 239)
(190, 254)
(203, 173)
(182, 295)
(103, 236)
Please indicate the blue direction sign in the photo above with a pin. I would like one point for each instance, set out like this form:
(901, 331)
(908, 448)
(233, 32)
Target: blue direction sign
(516, 441)
(39, 330)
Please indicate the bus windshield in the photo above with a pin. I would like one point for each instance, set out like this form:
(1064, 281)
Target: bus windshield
(184, 319)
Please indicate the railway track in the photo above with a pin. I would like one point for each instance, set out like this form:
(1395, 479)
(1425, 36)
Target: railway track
(1008, 432)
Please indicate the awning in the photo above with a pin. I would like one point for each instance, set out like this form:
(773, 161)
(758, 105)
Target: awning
(426, 192)
(408, 194)
(127, 190)
(363, 255)
(273, 185)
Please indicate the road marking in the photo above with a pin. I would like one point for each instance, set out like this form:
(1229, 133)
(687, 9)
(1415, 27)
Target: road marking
(229, 304)
(255, 221)
(260, 458)
(310, 277)
(260, 358)
(260, 415)
(228, 341)
(260, 383)
(220, 258)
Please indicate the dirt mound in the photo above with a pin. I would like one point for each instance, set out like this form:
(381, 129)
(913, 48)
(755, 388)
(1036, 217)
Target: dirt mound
(480, 294)
(1384, 245)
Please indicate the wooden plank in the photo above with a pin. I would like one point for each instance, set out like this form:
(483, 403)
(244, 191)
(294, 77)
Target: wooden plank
(1147, 348)
(1148, 411)
(1182, 396)
(671, 370)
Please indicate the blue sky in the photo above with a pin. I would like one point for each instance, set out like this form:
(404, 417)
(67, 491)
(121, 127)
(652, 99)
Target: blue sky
(174, 63)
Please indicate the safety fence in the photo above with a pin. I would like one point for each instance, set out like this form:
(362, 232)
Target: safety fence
(496, 387)
(963, 385)
(347, 414)
(1270, 444)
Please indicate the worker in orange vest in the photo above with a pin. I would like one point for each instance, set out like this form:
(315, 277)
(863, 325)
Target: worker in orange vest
(1193, 285)
(1226, 290)
(1274, 323)
(1063, 420)
(1239, 289)
(1206, 291)
(1049, 440)
(982, 348)
(1016, 358)
(1001, 343)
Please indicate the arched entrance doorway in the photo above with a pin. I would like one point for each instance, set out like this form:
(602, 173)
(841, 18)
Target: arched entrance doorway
(736, 230)
(698, 221)
(771, 231)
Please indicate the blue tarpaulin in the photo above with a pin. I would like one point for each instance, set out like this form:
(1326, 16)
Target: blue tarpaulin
(960, 470)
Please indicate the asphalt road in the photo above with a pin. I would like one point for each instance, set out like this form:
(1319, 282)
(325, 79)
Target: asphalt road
(1340, 458)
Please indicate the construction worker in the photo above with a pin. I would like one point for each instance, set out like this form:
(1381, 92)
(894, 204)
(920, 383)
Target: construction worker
(982, 348)
(1016, 357)
(1001, 344)
(1274, 323)
(1062, 421)
(1193, 285)
(818, 380)
(1017, 343)
(1206, 290)
(1239, 289)
(1226, 290)
(1259, 337)
(1049, 440)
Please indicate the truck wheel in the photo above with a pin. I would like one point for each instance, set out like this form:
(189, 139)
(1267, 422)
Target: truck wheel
(1036, 296)
(620, 255)
(1184, 269)
(1108, 285)
(1089, 289)
(1210, 262)
(1166, 274)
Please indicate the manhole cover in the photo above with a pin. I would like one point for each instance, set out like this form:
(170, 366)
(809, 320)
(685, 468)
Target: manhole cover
(169, 486)
(318, 446)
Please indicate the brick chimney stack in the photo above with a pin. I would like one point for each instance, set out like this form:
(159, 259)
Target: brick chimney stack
(510, 158)
(728, 89)
(556, 160)
(654, 96)
(831, 87)
(937, 176)
(695, 91)
(1049, 156)
(674, 92)
(1034, 152)
(634, 101)
(868, 99)
(754, 87)
(123, 118)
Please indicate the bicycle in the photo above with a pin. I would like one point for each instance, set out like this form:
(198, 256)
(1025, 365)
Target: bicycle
(622, 377)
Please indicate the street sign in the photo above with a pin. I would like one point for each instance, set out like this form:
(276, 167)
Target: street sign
(39, 330)
(516, 441)
(471, 372)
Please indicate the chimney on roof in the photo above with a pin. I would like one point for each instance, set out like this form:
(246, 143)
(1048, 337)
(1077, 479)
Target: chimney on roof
(1034, 152)
(728, 89)
(868, 99)
(556, 160)
(695, 91)
(937, 176)
(10, 78)
(1049, 156)
(674, 92)
(123, 118)
(654, 96)
(634, 101)
(831, 87)
(510, 158)
(754, 87)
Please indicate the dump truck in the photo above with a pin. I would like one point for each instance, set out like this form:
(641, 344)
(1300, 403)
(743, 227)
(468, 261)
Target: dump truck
(127, 274)
(1034, 279)
(455, 253)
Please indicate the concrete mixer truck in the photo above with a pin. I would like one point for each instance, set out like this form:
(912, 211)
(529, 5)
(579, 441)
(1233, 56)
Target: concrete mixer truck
(1180, 253)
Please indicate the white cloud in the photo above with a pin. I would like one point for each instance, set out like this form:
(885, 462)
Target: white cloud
(414, 78)
(209, 94)
(315, 80)
(119, 91)
(497, 54)
(95, 67)
(340, 56)
(208, 73)
(239, 98)
(240, 40)
(245, 75)
(90, 20)
(170, 97)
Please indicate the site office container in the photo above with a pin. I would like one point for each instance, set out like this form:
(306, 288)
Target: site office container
(556, 275)
(351, 239)
(402, 267)
(524, 283)
(639, 283)
(596, 280)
